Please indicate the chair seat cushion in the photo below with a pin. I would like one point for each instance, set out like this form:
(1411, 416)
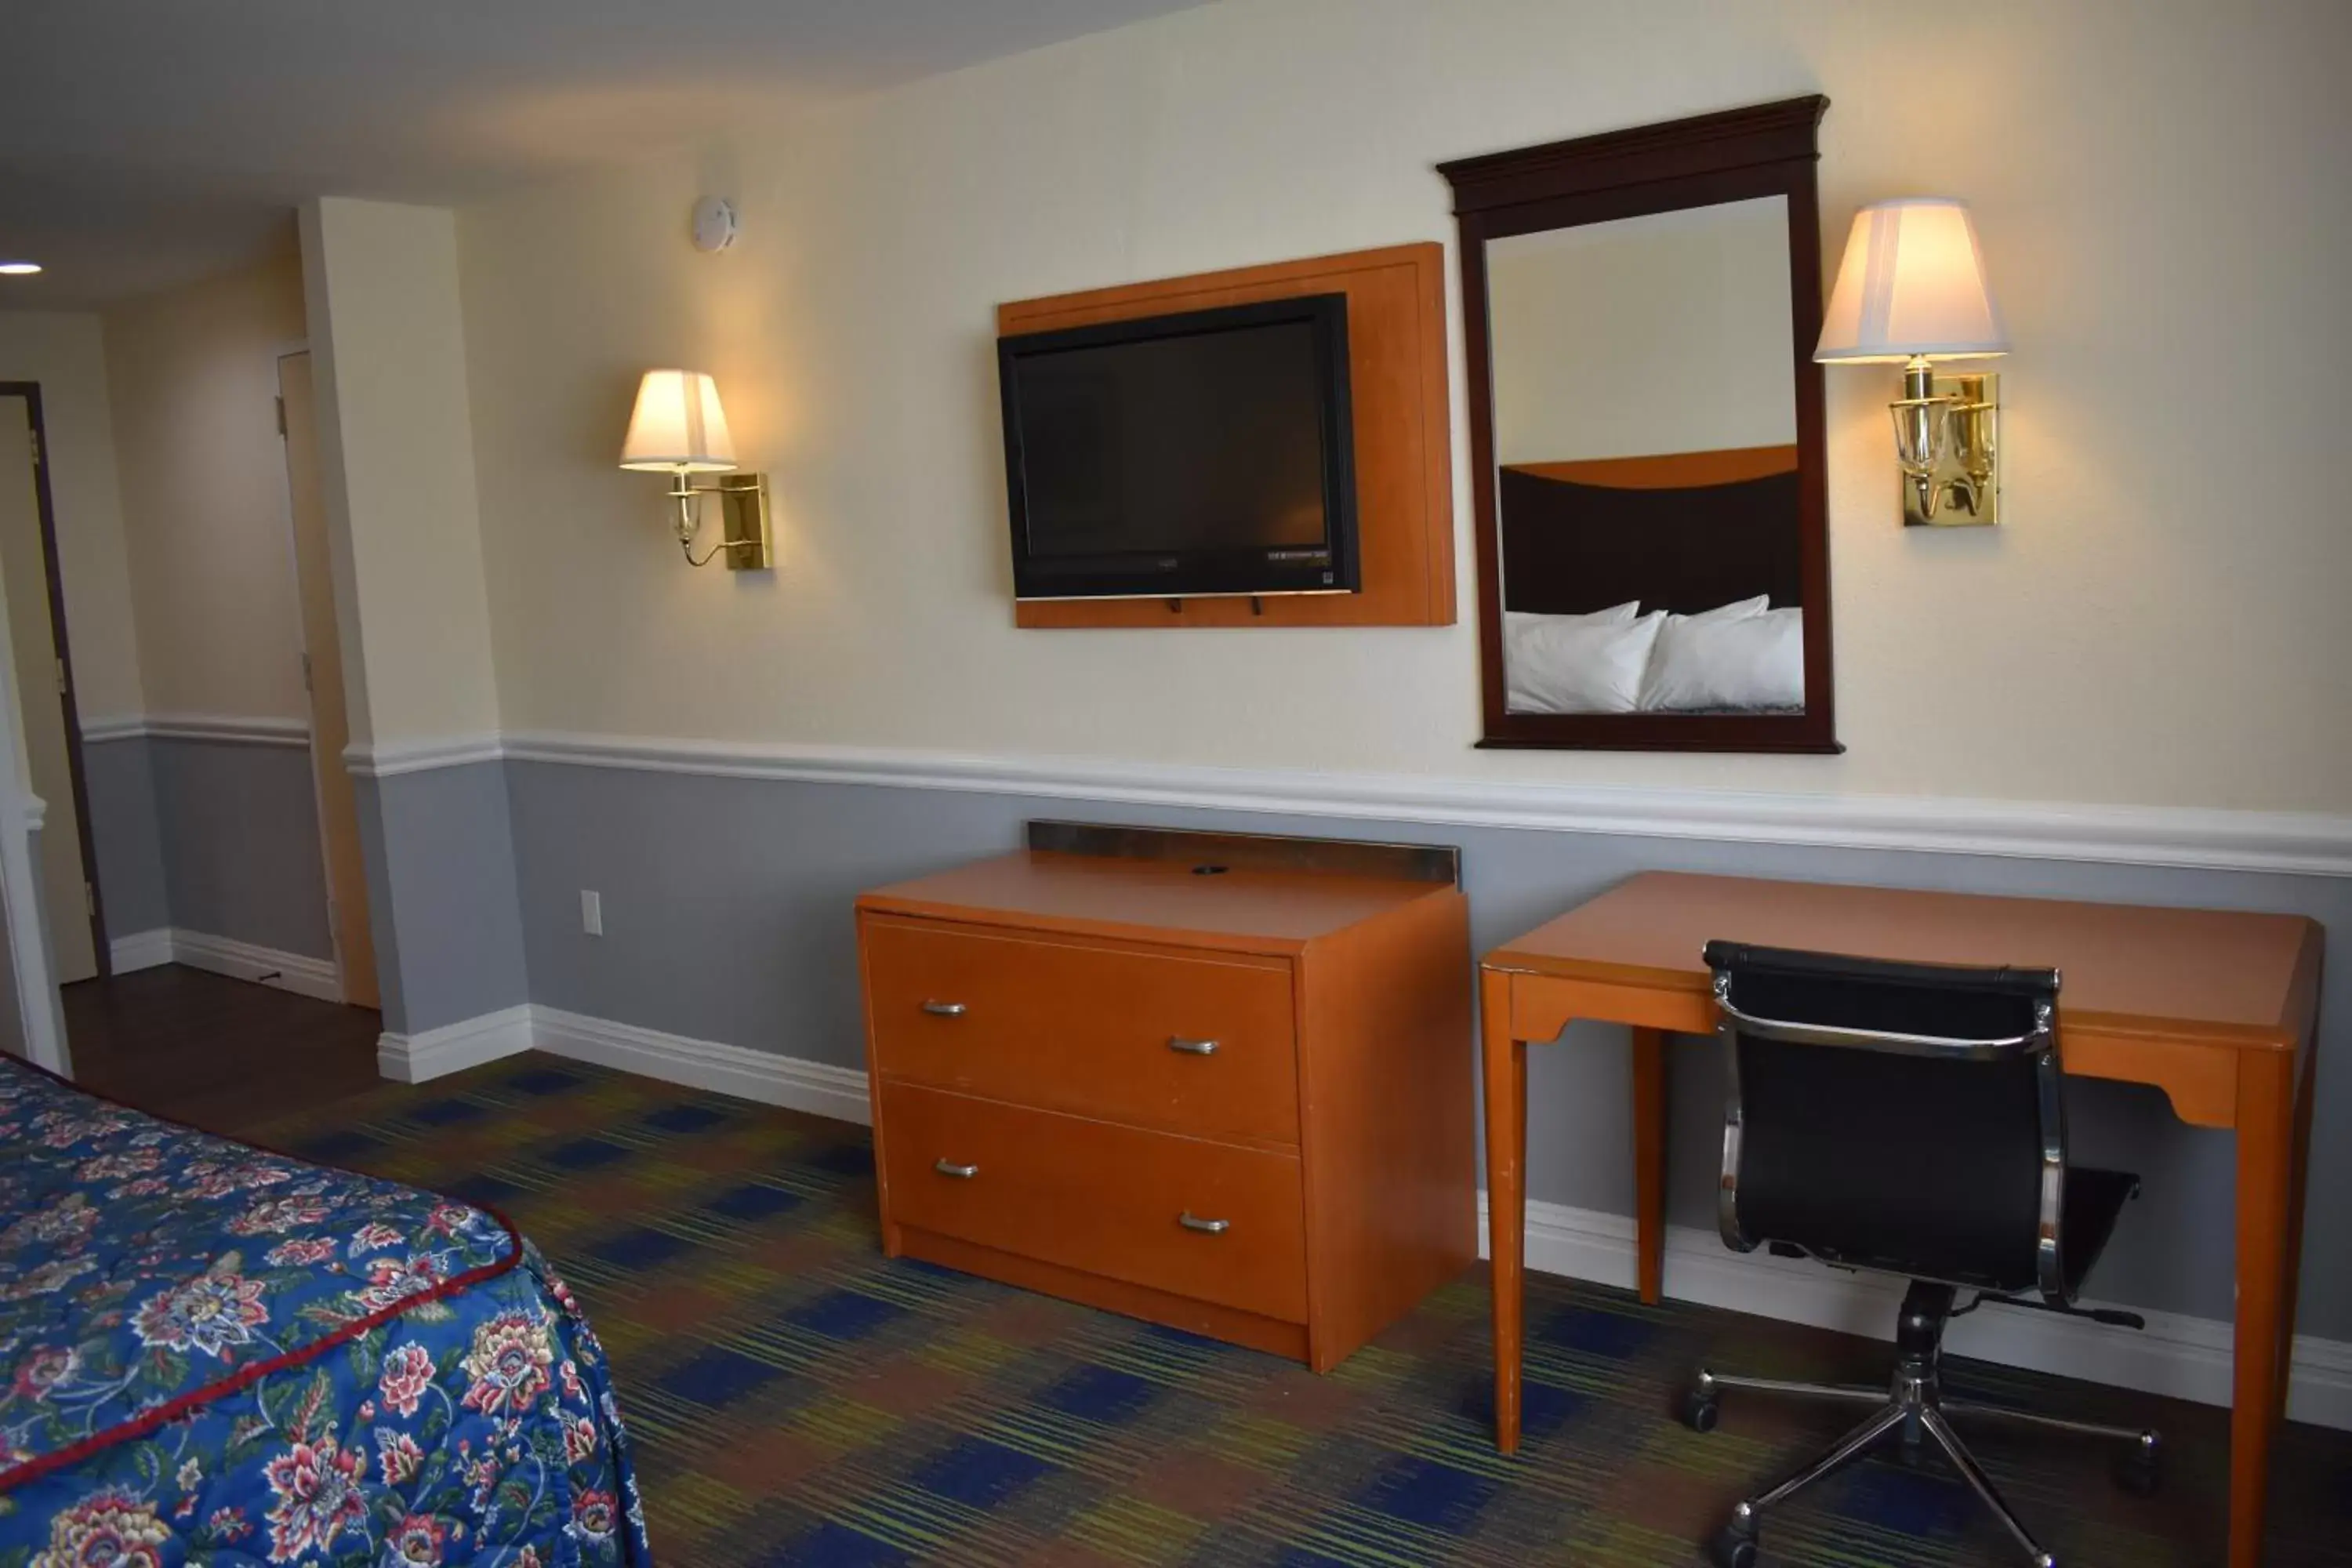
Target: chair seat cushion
(2094, 1200)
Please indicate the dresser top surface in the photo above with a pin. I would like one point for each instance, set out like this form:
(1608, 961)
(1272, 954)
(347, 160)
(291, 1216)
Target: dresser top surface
(1040, 889)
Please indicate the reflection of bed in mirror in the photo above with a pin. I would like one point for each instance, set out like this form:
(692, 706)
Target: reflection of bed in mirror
(1696, 543)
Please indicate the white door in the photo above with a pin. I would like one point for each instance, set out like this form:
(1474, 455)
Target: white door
(41, 682)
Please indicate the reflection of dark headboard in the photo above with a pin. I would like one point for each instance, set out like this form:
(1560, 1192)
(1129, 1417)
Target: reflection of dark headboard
(1571, 548)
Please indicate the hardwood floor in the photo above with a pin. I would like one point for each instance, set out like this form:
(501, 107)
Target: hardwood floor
(219, 1054)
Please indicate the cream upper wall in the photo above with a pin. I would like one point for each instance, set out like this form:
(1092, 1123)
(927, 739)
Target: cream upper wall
(2160, 195)
(397, 463)
(1668, 332)
(65, 353)
(194, 373)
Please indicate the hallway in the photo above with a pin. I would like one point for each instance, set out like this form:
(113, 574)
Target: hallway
(223, 1055)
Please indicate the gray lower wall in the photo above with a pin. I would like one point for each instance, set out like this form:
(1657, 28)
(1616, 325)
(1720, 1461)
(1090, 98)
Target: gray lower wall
(221, 837)
(726, 909)
(240, 835)
(215, 837)
(127, 834)
(727, 917)
(442, 895)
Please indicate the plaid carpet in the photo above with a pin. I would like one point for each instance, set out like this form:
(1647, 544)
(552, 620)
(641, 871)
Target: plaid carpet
(798, 1399)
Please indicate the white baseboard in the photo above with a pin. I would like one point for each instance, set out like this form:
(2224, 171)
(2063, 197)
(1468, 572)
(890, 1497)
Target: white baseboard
(263, 965)
(295, 972)
(452, 1047)
(141, 949)
(2181, 1357)
(817, 1088)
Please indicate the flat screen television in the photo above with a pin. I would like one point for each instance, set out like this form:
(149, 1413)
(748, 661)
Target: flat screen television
(1206, 453)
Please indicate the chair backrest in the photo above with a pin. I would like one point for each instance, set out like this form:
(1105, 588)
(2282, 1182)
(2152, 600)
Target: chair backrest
(1903, 1117)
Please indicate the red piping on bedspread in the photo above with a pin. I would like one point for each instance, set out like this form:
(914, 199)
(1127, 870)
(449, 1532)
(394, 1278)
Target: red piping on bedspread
(171, 1410)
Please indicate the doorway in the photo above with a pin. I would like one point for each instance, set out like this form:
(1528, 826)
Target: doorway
(43, 660)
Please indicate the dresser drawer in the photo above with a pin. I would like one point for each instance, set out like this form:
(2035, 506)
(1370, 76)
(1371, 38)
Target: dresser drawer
(1197, 1045)
(1107, 1200)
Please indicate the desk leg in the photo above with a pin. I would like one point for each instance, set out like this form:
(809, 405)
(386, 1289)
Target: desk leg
(2304, 1094)
(1650, 1162)
(2266, 1116)
(1506, 1193)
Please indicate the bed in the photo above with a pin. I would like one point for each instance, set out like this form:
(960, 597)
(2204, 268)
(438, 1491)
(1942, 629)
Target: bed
(213, 1354)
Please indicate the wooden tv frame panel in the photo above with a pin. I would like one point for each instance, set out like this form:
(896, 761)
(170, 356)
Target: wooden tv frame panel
(1404, 426)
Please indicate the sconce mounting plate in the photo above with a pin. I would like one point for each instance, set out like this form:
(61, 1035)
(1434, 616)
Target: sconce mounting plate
(743, 519)
(1967, 483)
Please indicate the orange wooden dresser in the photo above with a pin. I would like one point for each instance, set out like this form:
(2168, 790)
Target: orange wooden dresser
(1216, 1082)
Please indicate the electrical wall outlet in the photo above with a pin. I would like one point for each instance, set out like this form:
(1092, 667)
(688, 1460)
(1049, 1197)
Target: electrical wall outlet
(591, 912)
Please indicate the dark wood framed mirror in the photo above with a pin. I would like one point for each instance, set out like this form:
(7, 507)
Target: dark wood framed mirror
(1640, 310)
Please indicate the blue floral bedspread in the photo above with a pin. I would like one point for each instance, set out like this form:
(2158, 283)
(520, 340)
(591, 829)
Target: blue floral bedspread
(213, 1355)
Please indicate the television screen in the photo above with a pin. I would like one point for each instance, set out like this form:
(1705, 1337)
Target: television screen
(1198, 454)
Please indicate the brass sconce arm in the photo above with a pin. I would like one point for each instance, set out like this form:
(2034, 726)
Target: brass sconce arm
(744, 526)
(1947, 432)
(685, 548)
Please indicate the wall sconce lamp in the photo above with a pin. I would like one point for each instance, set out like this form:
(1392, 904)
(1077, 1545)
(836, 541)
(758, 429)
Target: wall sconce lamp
(679, 428)
(1912, 290)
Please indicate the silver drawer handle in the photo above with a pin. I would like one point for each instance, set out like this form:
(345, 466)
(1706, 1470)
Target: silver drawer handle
(1192, 1221)
(949, 1168)
(944, 1009)
(1192, 1048)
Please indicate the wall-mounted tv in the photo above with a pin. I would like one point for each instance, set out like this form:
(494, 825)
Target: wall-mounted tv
(1206, 453)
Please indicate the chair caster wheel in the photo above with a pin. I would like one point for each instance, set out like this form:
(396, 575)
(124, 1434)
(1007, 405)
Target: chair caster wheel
(2138, 1472)
(1700, 1411)
(1733, 1547)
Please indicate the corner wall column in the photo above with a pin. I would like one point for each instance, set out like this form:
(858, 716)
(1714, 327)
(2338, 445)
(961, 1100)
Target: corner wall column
(404, 526)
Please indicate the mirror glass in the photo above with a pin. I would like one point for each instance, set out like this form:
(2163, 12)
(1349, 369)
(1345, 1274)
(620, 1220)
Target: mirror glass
(1644, 424)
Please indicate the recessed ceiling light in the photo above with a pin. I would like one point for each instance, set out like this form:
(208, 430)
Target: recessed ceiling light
(19, 269)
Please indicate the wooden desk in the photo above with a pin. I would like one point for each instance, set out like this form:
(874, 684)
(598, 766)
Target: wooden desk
(2217, 1009)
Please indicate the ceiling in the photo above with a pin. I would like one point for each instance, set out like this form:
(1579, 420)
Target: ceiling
(146, 143)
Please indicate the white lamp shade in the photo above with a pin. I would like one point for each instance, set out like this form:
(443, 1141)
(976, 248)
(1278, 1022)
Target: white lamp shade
(678, 426)
(1912, 283)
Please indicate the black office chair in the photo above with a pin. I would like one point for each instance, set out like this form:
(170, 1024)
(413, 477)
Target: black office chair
(1906, 1118)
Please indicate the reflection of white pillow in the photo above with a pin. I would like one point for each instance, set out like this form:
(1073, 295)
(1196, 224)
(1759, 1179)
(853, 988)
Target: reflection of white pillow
(1720, 660)
(1614, 615)
(1576, 664)
(1737, 610)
